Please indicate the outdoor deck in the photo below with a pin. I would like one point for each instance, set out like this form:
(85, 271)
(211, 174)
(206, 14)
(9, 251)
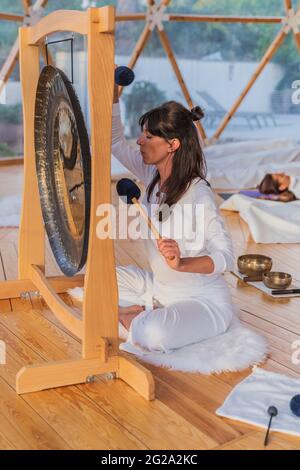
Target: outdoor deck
(109, 414)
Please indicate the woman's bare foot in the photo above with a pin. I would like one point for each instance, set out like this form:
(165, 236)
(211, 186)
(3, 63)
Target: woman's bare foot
(131, 309)
(127, 314)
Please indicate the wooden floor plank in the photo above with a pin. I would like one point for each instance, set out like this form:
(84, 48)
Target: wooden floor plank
(267, 327)
(5, 444)
(18, 354)
(208, 392)
(138, 256)
(157, 425)
(198, 415)
(40, 335)
(273, 366)
(79, 422)
(22, 426)
(46, 313)
(234, 227)
(255, 441)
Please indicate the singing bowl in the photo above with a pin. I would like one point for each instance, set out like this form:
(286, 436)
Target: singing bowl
(254, 265)
(277, 280)
(63, 167)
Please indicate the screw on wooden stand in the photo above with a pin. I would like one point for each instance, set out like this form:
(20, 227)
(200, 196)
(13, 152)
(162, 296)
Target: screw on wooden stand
(90, 379)
(25, 295)
(110, 376)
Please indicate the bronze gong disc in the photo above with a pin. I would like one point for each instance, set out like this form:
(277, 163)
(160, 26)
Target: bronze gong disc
(63, 165)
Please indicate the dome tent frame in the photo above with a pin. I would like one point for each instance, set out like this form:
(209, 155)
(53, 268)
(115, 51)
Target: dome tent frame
(155, 17)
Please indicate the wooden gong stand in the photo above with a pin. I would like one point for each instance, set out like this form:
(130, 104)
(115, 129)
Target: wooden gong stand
(98, 326)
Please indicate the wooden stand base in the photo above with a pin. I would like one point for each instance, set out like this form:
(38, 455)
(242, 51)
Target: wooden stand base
(70, 372)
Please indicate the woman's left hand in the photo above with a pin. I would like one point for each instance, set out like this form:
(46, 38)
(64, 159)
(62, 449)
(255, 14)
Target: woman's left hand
(170, 251)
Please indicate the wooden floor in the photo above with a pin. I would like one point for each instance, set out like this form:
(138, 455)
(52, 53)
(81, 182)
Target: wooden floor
(109, 414)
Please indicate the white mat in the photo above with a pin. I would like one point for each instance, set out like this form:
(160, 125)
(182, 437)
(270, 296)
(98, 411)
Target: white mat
(232, 351)
(249, 401)
(268, 221)
(260, 286)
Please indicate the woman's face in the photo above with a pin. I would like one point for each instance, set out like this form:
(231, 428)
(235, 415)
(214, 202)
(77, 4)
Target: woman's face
(282, 179)
(154, 149)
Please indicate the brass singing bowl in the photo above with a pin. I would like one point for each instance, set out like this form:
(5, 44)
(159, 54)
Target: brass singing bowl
(254, 265)
(277, 280)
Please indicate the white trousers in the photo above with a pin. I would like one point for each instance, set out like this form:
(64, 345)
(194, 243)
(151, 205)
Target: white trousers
(170, 326)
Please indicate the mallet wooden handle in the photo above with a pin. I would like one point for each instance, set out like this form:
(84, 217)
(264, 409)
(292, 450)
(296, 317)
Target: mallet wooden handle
(148, 220)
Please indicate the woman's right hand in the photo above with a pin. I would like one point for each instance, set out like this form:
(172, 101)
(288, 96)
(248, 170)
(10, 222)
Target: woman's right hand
(286, 196)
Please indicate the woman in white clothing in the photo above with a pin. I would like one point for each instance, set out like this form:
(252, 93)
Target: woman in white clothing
(283, 186)
(184, 299)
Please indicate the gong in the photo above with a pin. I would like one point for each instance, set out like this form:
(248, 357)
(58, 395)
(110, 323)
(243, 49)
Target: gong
(63, 167)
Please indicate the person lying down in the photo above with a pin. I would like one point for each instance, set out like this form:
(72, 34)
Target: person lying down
(286, 187)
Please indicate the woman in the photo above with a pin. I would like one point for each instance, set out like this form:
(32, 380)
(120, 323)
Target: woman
(184, 299)
(286, 187)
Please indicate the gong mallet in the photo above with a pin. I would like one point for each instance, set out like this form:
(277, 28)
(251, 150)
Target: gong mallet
(130, 192)
(124, 76)
(272, 412)
(295, 405)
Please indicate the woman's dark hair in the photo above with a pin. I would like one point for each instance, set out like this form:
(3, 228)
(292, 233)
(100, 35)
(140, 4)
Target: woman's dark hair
(270, 186)
(171, 120)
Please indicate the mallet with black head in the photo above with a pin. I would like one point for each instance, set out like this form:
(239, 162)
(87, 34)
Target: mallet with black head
(295, 405)
(124, 76)
(130, 193)
(272, 412)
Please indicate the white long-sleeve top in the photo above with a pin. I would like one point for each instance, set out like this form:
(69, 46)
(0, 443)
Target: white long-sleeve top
(215, 241)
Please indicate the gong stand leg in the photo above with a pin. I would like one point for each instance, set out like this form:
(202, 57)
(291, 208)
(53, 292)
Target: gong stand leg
(100, 305)
(31, 232)
(23, 287)
(58, 374)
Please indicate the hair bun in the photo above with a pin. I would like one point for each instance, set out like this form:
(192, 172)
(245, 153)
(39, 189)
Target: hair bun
(196, 113)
